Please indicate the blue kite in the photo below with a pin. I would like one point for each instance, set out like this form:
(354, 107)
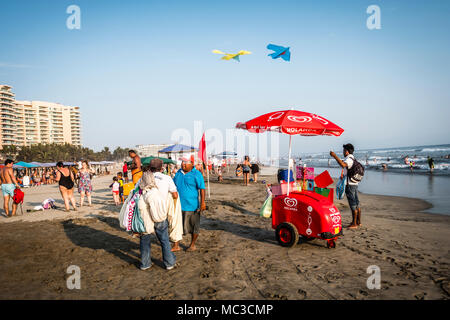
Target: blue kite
(280, 52)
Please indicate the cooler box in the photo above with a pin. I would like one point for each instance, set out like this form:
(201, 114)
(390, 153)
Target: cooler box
(305, 173)
(283, 175)
(127, 188)
(311, 214)
(280, 189)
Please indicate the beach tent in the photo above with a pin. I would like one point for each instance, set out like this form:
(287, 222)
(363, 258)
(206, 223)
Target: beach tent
(38, 164)
(177, 151)
(226, 154)
(49, 164)
(26, 165)
(103, 163)
(177, 148)
(146, 161)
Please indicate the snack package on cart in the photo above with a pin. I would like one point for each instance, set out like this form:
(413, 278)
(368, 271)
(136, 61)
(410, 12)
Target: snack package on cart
(281, 189)
(305, 173)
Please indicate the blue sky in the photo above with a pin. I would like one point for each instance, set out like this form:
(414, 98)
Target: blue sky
(140, 69)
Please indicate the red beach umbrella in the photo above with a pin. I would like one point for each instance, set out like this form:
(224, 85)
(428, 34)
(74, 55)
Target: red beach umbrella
(292, 122)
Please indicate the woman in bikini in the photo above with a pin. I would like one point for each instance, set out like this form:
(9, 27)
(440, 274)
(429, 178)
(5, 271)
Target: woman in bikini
(246, 170)
(64, 177)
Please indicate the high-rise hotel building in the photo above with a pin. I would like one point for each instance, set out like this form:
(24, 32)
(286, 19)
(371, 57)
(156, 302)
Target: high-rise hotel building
(25, 123)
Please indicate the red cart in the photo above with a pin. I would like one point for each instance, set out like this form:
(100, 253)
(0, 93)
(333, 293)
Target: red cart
(306, 214)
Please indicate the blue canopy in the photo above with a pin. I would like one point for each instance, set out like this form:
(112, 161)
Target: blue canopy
(39, 164)
(26, 165)
(178, 148)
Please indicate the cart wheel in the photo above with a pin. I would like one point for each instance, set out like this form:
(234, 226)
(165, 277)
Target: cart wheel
(286, 234)
(331, 244)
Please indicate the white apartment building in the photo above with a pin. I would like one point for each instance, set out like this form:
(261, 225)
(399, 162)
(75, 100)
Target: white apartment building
(25, 123)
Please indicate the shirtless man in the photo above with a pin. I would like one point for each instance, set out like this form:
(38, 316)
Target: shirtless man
(9, 184)
(136, 167)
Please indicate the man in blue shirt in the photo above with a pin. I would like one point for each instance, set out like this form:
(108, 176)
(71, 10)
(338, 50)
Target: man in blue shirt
(189, 182)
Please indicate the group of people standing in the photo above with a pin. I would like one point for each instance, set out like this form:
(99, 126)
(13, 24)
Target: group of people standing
(65, 178)
(157, 190)
(246, 168)
(66, 182)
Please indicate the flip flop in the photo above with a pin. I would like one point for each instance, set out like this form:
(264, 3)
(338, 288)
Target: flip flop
(190, 249)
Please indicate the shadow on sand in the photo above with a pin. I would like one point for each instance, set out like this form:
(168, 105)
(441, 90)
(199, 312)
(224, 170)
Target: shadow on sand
(88, 237)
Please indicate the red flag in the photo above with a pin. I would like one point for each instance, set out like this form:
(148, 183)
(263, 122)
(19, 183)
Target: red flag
(202, 149)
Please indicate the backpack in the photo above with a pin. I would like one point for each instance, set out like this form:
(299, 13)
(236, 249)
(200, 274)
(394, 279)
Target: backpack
(356, 173)
(18, 196)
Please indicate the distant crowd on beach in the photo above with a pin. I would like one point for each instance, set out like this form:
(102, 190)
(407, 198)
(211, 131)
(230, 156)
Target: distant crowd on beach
(34, 177)
(67, 177)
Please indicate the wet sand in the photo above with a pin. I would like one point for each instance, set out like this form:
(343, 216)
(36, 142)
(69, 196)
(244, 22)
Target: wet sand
(237, 257)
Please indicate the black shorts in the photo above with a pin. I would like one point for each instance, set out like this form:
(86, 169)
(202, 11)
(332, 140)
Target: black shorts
(255, 169)
(125, 174)
(191, 222)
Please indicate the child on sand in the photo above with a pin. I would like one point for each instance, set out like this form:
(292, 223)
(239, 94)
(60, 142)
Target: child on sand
(120, 181)
(115, 191)
(219, 174)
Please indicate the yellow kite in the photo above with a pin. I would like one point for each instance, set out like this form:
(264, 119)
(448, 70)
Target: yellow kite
(229, 56)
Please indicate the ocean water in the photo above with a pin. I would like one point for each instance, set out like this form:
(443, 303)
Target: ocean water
(432, 188)
(393, 158)
(397, 180)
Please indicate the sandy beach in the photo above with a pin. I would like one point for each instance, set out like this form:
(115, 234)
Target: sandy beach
(237, 257)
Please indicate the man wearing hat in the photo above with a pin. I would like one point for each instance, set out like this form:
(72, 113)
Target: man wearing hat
(189, 182)
(165, 185)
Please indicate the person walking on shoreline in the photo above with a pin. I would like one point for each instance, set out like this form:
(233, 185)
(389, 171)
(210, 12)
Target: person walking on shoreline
(351, 189)
(9, 184)
(85, 185)
(136, 166)
(430, 164)
(65, 178)
(189, 182)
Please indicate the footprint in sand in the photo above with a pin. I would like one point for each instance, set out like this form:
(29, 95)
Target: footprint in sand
(302, 294)
(420, 295)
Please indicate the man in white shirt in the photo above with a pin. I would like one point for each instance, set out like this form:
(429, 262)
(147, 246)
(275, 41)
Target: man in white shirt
(165, 185)
(351, 189)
